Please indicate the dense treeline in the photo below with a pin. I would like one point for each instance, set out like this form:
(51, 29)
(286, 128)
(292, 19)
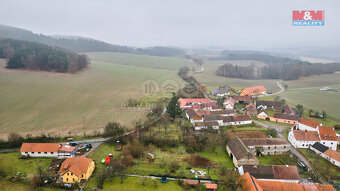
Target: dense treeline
(81, 44)
(35, 56)
(285, 71)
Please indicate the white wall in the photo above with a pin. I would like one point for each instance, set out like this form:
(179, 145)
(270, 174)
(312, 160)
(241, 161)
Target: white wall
(305, 127)
(42, 154)
(330, 144)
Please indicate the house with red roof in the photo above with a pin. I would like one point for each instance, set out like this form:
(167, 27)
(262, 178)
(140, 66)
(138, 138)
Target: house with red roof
(229, 103)
(253, 91)
(54, 150)
(189, 102)
(250, 183)
(303, 138)
(76, 169)
(328, 137)
(308, 124)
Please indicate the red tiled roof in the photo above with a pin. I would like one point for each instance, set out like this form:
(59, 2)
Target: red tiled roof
(309, 122)
(249, 183)
(192, 113)
(230, 99)
(242, 118)
(211, 186)
(253, 90)
(185, 101)
(77, 166)
(40, 147)
(327, 133)
(67, 148)
(191, 182)
(301, 135)
(333, 154)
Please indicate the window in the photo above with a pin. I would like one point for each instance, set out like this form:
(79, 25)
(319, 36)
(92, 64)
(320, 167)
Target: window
(39, 152)
(331, 143)
(82, 175)
(303, 145)
(275, 147)
(46, 153)
(268, 147)
(52, 152)
(66, 179)
(73, 179)
(71, 174)
(26, 152)
(284, 146)
(68, 174)
(32, 152)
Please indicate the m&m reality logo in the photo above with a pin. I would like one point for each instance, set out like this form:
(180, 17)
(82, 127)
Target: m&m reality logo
(308, 18)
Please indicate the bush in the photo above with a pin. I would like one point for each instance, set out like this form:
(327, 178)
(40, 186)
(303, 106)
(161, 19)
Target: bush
(136, 149)
(199, 161)
(128, 160)
(173, 166)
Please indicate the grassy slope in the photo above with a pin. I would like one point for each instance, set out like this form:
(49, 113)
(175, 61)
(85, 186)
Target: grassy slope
(134, 60)
(49, 102)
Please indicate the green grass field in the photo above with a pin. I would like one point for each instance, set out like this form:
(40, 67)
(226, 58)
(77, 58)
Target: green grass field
(313, 98)
(35, 102)
(11, 164)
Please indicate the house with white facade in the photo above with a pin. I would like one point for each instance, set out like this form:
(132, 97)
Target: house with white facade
(216, 117)
(307, 124)
(229, 103)
(236, 120)
(326, 153)
(193, 116)
(224, 112)
(53, 150)
(204, 125)
(303, 138)
(220, 92)
(328, 137)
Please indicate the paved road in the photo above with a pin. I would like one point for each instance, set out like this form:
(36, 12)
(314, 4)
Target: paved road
(282, 89)
(292, 149)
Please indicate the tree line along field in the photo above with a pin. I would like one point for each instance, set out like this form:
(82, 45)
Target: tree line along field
(43, 102)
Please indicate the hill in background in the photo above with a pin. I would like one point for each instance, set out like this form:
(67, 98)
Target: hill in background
(81, 44)
(36, 56)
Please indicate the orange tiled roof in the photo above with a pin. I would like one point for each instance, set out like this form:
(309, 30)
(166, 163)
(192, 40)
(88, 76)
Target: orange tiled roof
(67, 148)
(211, 186)
(333, 154)
(253, 90)
(185, 101)
(327, 133)
(301, 135)
(77, 166)
(249, 183)
(40, 147)
(309, 122)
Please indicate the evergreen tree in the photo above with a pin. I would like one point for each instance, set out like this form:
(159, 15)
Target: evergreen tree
(173, 108)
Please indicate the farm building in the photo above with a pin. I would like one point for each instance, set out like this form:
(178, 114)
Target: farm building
(240, 153)
(274, 105)
(288, 110)
(253, 91)
(285, 118)
(328, 137)
(76, 169)
(193, 116)
(224, 112)
(236, 120)
(250, 183)
(188, 102)
(266, 146)
(272, 172)
(55, 150)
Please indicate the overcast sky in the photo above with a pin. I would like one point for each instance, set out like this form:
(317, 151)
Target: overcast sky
(184, 23)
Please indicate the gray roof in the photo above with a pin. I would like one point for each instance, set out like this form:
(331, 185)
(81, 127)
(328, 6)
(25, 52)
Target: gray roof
(216, 91)
(264, 141)
(275, 104)
(320, 147)
(239, 150)
(212, 117)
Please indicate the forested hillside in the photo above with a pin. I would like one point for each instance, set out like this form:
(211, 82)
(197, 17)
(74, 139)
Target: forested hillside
(35, 56)
(81, 44)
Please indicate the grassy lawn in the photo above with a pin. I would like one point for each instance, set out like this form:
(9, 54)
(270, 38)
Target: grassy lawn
(134, 184)
(316, 100)
(12, 164)
(17, 186)
(318, 161)
(81, 102)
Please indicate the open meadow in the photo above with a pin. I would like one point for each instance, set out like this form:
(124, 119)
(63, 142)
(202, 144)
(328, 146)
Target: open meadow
(45, 102)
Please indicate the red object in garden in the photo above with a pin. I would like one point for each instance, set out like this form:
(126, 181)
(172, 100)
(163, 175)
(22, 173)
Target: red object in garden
(107, 160)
